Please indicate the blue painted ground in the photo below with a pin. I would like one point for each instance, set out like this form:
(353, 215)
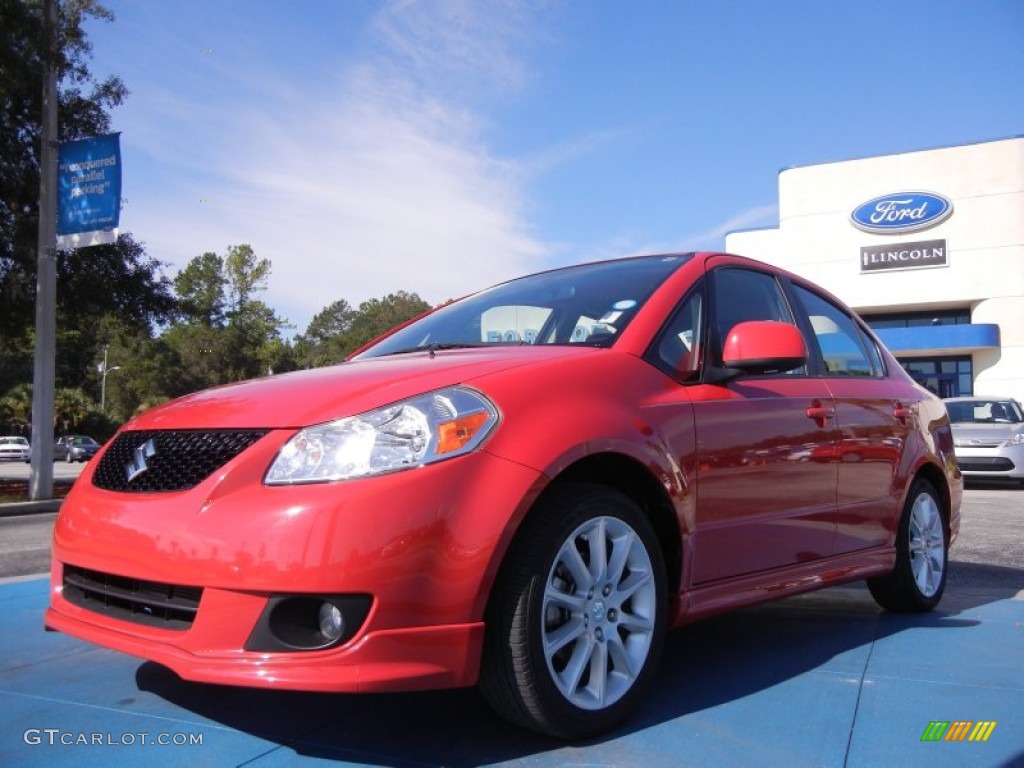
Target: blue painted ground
(819, 680)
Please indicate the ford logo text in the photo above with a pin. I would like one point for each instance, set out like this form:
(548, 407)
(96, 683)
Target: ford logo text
(901, 212)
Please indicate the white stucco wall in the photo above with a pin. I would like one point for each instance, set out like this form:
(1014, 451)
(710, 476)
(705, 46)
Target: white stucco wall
(984, 240)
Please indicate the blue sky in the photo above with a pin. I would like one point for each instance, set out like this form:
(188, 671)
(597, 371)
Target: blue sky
(439, 146)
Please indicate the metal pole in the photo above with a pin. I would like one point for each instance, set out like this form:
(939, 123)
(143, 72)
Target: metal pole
(103, 382)
(41, 476)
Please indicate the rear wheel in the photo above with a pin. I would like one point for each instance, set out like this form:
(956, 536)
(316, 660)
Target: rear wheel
(918, 580)
(577, 618)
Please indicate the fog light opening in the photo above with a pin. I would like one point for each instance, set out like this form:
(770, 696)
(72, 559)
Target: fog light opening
(308, 622)
(332, 624)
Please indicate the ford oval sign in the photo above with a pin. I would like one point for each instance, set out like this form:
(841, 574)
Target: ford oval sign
(901, 212)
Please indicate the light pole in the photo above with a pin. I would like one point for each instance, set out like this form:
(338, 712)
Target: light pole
(104, 370)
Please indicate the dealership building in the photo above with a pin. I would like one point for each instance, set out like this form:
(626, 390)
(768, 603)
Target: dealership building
(928, 246)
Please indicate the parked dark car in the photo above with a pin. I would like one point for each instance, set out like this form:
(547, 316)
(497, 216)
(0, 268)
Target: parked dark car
(74, 448)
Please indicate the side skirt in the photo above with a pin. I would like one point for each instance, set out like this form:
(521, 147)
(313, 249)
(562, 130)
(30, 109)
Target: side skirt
(729, 594)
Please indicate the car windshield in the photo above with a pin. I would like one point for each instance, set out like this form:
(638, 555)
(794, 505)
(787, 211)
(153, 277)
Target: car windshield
(13, 441)
(584, 305)
(984, 412)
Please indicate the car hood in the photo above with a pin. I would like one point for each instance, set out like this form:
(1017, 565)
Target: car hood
(304, 398)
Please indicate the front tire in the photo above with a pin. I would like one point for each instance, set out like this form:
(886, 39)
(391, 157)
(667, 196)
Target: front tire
(577, 618)
(918, 580)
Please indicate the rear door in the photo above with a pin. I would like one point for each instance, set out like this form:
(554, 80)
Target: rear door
(872, 414)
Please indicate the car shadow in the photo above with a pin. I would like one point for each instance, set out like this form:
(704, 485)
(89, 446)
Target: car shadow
(993, 484)
(706, 664)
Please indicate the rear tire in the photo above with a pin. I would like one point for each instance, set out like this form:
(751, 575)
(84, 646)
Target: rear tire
(577, 618)
(918, 580)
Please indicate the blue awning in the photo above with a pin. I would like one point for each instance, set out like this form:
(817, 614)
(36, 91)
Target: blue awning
(940, 339)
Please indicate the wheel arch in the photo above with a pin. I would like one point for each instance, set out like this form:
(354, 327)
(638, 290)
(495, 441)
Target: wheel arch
(515, 672)
(631, 478)
(935, 477)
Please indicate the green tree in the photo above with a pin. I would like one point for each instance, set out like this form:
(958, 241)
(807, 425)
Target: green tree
(378, 316)
(102, 290)
(116, 280)
(323, 343)
(16, 409)
(242, 341)
(83, 108)
(254, 334)
(200, 289)
(338, 330)
(244, 275)
(71, 408)
(141, 368)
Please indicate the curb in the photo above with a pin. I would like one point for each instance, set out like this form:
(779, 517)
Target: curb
(30, 507)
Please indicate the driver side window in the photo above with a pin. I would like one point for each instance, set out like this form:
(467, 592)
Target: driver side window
(742, 295)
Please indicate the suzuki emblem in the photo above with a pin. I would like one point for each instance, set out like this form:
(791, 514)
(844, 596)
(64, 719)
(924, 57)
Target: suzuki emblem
(138, 464)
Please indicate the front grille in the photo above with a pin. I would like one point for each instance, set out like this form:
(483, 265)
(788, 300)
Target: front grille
(977, 443)
(170, 606)
(154, 461)
(984, 464)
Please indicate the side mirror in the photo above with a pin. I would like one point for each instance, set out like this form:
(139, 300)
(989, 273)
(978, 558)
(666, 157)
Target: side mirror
(764, 346)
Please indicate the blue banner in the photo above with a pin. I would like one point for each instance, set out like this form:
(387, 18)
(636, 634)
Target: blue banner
(88, 191)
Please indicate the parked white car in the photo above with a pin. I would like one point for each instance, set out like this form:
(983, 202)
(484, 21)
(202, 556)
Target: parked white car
(13, 448)
(988, 436)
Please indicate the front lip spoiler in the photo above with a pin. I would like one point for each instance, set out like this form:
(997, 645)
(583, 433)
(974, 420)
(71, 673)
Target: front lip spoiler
(395, 660)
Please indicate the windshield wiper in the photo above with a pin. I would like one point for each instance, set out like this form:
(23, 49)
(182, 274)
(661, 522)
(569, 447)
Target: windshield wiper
(438, 346)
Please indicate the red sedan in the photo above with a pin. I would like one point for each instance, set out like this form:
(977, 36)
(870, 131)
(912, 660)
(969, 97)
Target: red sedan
(524, 489)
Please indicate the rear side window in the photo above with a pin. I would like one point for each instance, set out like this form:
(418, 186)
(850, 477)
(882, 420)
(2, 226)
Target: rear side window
(845, 349)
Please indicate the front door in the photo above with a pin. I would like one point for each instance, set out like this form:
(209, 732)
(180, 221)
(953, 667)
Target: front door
(766, 450)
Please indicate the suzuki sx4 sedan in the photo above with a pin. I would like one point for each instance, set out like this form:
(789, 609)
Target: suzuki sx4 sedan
(523, 490)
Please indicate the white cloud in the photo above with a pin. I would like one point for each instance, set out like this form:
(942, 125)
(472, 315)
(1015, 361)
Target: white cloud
(463, 47)
(376, 178)
(714, 238)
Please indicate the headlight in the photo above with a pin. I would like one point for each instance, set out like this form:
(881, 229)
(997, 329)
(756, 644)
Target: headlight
(414, 432)
(1017, 439)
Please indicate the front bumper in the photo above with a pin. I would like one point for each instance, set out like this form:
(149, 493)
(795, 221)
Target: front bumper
(212, 650)
(1005, 462)
(424, 544)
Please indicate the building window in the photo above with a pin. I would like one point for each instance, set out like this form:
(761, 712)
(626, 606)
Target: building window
(918, 319)
(945, 376)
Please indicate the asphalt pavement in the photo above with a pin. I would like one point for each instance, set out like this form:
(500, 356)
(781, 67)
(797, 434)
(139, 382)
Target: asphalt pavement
(824, 679)
(19, 470)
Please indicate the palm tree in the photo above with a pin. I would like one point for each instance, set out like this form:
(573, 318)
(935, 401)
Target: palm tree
(70, 408)
(16, 409)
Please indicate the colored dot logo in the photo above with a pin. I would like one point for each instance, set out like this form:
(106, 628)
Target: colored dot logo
(206, 50)
(958, 730)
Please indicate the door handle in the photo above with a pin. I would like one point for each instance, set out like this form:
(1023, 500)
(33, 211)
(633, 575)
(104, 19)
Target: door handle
(901, 412)
(819, 413)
